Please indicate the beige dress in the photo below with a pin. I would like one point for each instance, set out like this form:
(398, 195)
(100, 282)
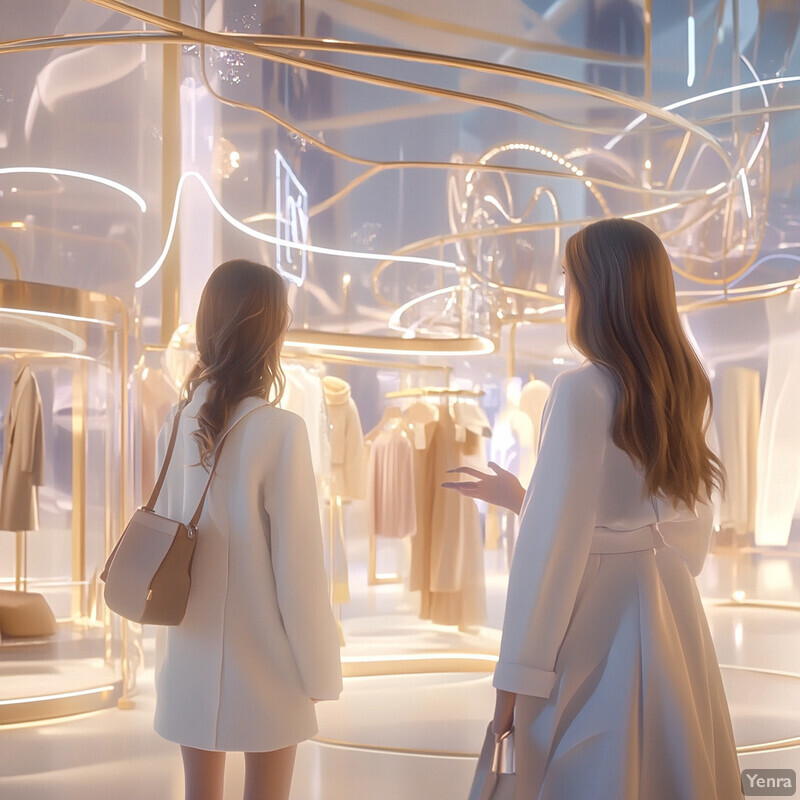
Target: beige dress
(456, 581)
(421, 419)
(605, 640)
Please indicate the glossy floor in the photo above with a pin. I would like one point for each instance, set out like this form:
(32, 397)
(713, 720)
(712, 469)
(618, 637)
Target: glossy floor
(415, 736)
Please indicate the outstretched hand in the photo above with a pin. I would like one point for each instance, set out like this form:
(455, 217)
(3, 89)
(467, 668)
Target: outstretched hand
(501, 489)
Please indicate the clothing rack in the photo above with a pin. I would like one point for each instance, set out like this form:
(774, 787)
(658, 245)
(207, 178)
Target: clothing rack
(335, 358)
(436, 391)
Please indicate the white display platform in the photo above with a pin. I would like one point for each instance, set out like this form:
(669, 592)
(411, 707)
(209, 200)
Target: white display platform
(388, 721)
(55, 676)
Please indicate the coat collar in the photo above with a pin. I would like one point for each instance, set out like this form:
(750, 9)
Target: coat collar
(243, 407)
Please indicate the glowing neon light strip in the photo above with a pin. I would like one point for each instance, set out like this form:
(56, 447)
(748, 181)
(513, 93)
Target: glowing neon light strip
(764, 132)
(691, 47)
(86, 176)
(394, 320)
(651, 211)
(269, 239)
(746, 192)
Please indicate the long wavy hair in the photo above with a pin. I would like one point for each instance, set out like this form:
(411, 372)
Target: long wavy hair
(241, 323)
(623, 315)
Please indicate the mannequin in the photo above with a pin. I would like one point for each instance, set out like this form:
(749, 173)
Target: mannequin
(348, 474)
(514, 449)
(532, 399)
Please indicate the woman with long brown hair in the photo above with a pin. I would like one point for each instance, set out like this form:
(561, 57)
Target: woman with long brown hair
(607, 670)
(258, 645)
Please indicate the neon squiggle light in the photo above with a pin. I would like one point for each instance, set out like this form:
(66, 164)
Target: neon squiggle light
(269, 239)
(86, 176)
(765, 130)
(746, 192)
(651, 211)
(697, 98)
(394, 321)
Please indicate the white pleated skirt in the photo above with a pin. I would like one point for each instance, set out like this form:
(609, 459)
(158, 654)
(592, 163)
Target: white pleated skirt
(638, 711)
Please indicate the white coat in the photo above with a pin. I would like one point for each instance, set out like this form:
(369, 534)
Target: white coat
(259, 639)
(605, 640)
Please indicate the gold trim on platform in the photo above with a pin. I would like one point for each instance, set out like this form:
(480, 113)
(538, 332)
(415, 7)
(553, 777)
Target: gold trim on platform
(59, 704)
(417, 664)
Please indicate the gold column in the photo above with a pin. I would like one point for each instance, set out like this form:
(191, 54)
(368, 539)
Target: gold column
(79, 392)
(21, 555)
(170, 175)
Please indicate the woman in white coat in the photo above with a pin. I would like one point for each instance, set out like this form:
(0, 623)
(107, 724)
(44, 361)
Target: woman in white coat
(607, 669)
(259, 644)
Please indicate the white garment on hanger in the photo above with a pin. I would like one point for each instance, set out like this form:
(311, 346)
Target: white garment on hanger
(779, 432)
(304, 395)
(738, 419)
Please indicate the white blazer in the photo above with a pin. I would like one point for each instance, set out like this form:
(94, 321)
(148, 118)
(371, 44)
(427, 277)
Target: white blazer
(259, 639)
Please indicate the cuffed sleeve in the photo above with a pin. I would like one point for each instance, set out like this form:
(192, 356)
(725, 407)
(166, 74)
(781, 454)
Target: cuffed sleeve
(556, 528)
(524, 679)
(297, 560)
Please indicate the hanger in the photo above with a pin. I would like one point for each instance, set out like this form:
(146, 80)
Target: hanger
(391, 414)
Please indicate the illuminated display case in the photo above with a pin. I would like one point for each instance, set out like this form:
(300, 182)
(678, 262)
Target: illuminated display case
(74, 345)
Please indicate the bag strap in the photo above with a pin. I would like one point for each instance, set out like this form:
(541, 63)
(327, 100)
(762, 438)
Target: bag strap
(151, 503)
(192, 526)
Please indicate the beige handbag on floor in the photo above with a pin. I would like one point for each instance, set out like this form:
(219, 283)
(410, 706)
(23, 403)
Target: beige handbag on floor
(494, 776)
(148, 574)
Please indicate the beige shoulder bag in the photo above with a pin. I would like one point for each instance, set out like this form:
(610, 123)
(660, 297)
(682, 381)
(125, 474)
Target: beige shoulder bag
(148, 574)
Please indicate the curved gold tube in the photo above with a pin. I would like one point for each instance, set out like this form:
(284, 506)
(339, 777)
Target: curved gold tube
(248, 44)
(431, 23)
(375, 166)
(259, 46)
